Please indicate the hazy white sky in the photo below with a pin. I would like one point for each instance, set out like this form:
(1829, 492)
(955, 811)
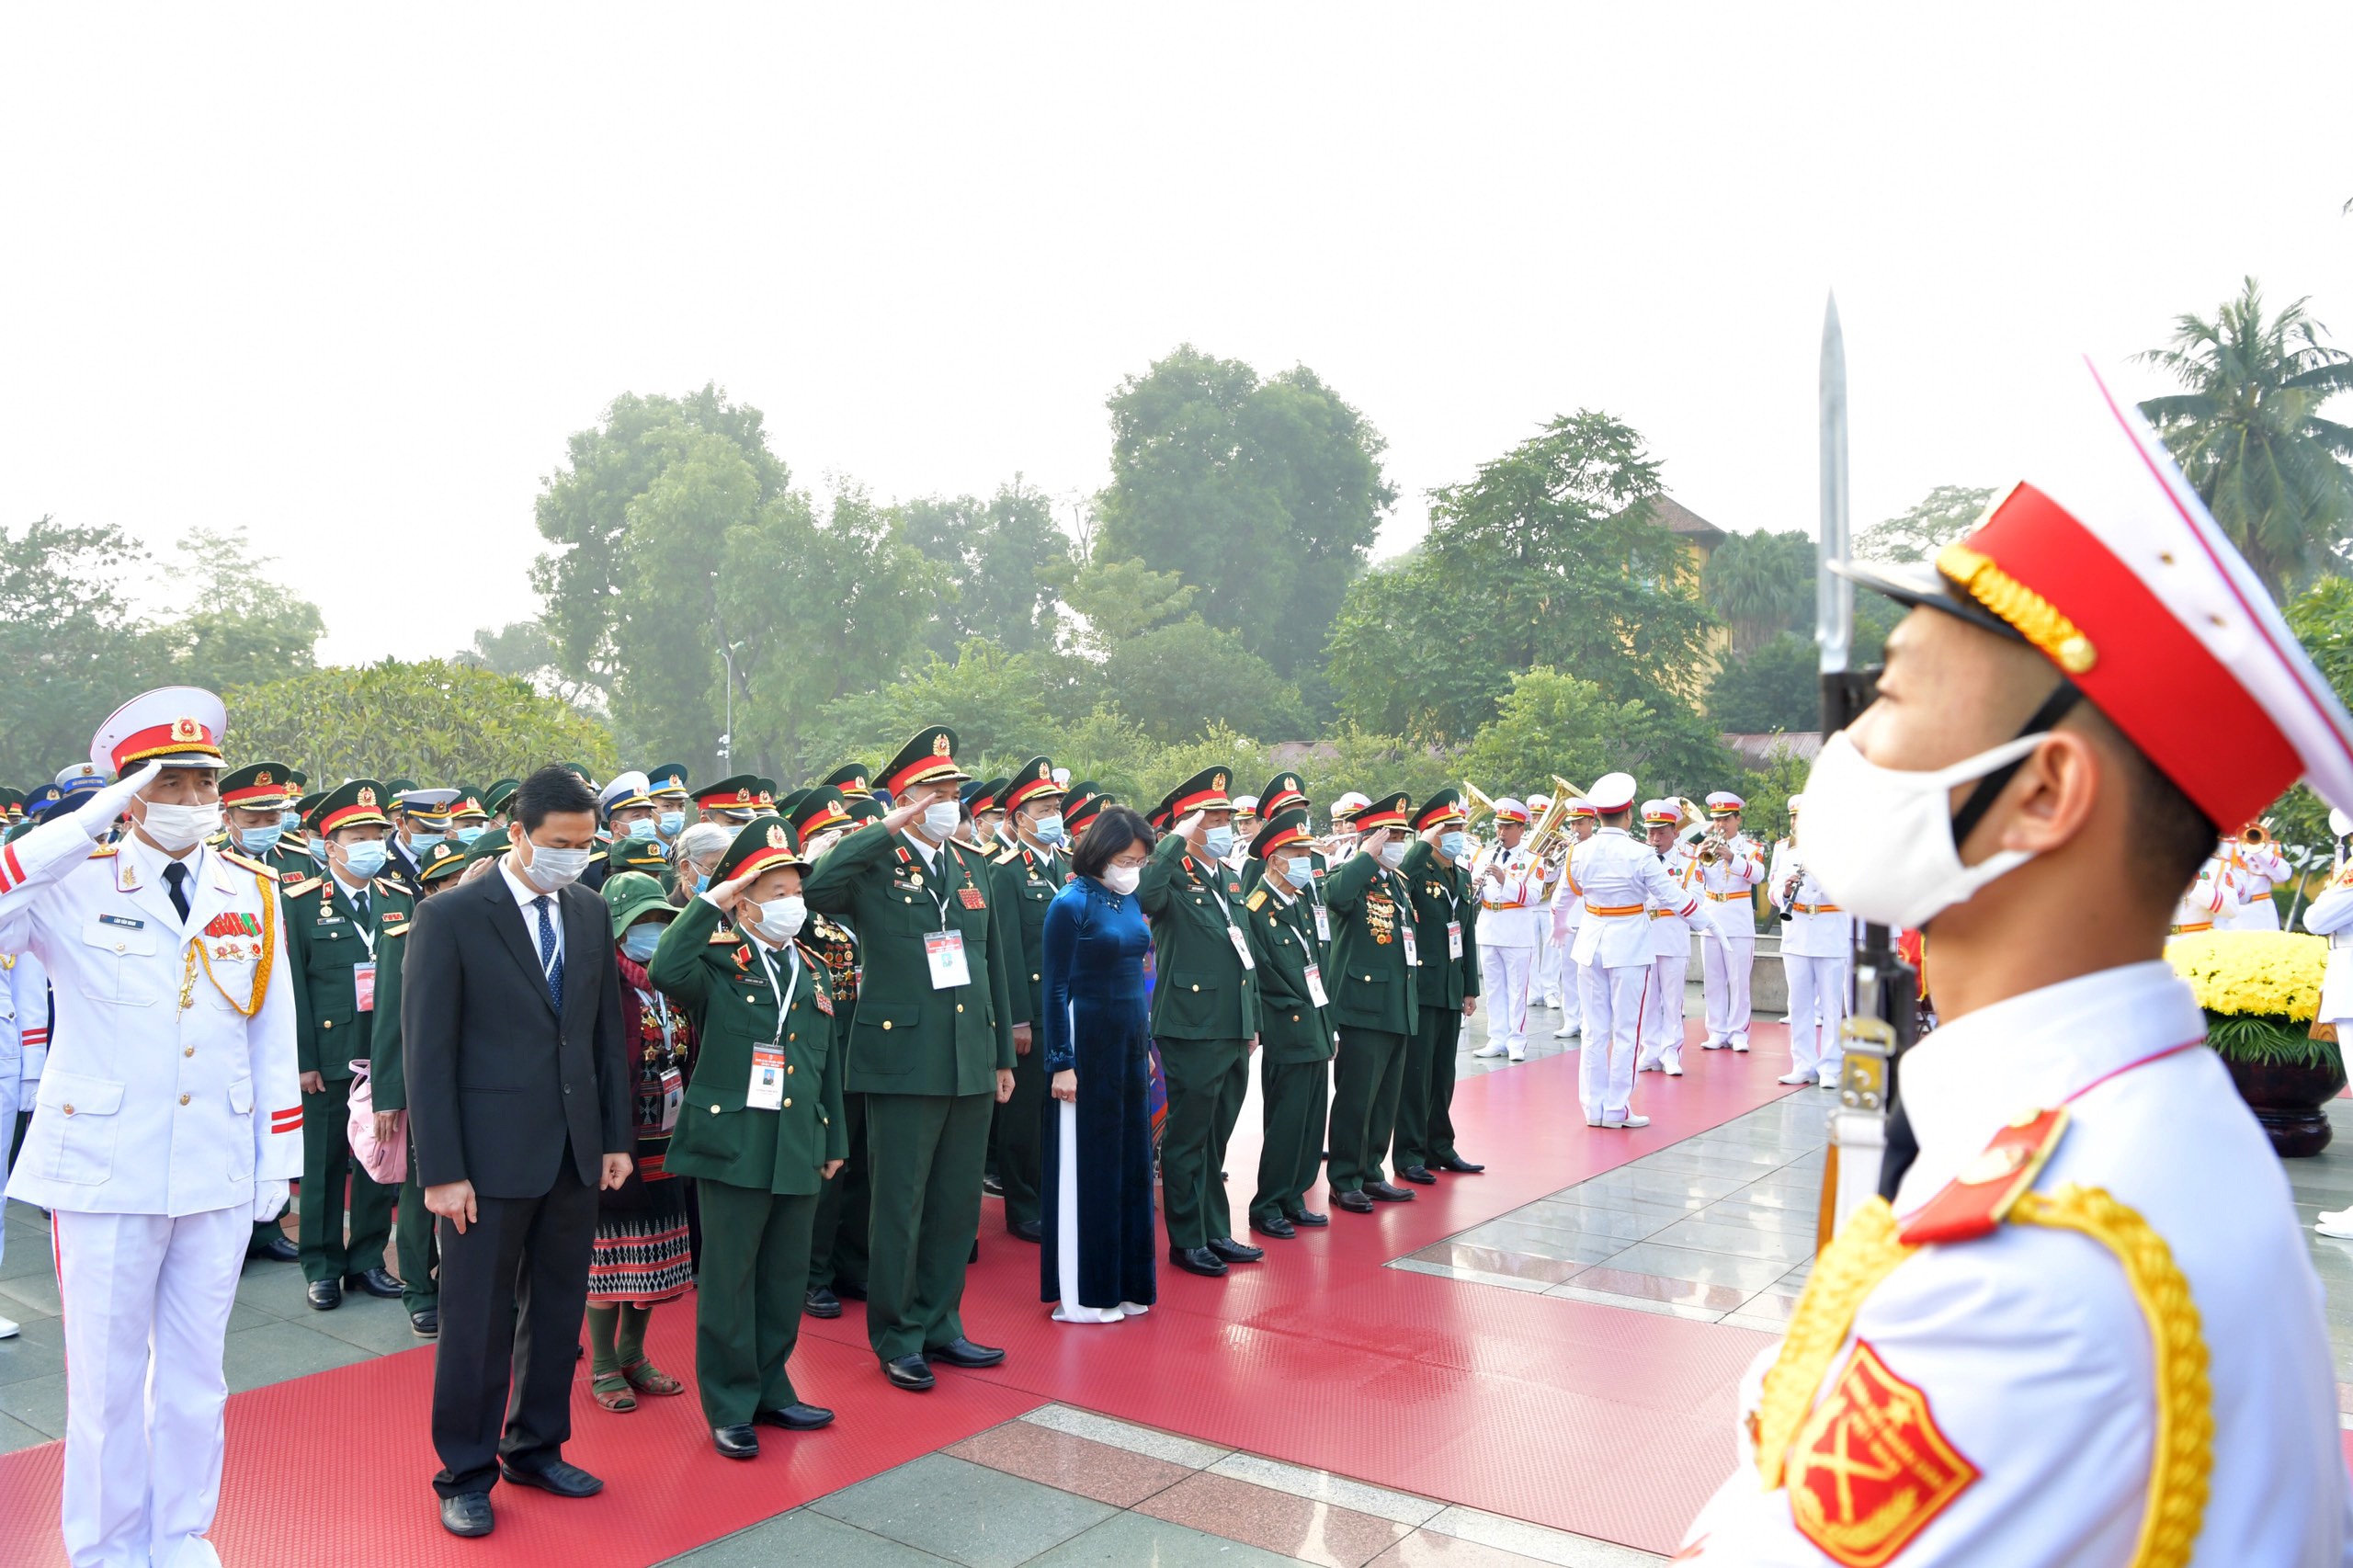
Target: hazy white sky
(348, 278)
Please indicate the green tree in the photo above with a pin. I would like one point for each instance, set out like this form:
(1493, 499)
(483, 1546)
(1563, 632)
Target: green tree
(1350, 758)
(1182, 681)
(1245, 760)
(1264, 494)
(1551, 722)
(2322, 619)
(241, 628)
(438, 720)
(998, 704)
(1125, 599)
(68, 638)
(1931, 523)
(1006, 564)
(1762, 584)
(1549, 556)
(2250, 438)
(1779, 686)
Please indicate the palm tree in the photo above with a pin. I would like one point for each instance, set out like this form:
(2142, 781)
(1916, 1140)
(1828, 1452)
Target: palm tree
(2249, 435)
(1760, 585)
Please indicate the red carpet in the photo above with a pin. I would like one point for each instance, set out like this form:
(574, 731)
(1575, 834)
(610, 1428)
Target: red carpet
(1608, 1421)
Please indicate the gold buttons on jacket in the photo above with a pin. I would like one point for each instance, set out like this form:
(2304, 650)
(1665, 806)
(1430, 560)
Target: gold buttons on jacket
(189, 1052)
(67, 1108)
(714, 1110)
(326, 1023)
(183, 1099)
(960, 1007)
(1196, 988)
(788, 1069)
(787, 1104)
(886, 1025)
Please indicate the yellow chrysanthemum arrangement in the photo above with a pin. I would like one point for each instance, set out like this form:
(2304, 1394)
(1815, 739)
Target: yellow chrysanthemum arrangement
(2260, 991)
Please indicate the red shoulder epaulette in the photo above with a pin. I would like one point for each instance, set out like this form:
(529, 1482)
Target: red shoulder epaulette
(1976, 1202)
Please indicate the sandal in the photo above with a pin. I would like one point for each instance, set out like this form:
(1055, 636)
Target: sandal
(646, 1378)
(611, 1392)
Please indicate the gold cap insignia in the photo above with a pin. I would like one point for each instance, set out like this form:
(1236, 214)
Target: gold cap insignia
(263, 777)
(186, 730)
(1217, 781)
(743, 797)
(367, 796)
(939, 744)
(776, 839)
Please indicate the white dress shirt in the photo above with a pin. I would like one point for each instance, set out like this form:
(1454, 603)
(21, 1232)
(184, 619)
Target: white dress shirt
(525, 895)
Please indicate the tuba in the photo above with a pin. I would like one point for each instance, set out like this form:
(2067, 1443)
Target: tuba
(1481, 807)
(1548, 841)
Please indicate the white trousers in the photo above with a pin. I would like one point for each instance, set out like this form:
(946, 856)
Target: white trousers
(147, 1311)
(1614, 1000)
(1817, 1007)
(1724, 968)
(1663, 1011)
(1504, 974)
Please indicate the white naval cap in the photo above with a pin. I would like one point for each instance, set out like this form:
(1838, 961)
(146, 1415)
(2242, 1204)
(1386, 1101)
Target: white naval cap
(630, 789)
(1612, 792)
(179, 726)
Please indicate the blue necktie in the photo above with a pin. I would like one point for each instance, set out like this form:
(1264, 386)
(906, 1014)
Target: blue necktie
(550, 960)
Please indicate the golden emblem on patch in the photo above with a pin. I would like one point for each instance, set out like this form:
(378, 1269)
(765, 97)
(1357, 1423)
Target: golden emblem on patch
(939, 745)
(367, 796)
(263, 777)
(186, 730)
(776, 836)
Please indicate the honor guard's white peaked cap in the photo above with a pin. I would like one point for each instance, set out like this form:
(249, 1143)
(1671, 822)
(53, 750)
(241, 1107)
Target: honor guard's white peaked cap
(1349, 804)
(179, 726)
(2339, 824)
(630, 789)
(1662, 813)
(1511, 810)
(1724, 803)
(1612, 792)
(2103, 558)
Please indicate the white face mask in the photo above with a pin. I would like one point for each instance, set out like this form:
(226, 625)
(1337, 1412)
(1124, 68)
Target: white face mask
(1880, 841)
(1393, 854)
(180, 827)
(940, 820)
(781, 919)
(552, 869)
(1122, 880)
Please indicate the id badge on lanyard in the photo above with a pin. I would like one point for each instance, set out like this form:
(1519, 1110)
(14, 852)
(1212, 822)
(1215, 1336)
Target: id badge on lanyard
(944, 951)
(1241, 947)
(1323, 924)
(1454, 939)
(674, 1096)
(766, 1091)
(363, 983)
(1315, 986)
(1413, 949)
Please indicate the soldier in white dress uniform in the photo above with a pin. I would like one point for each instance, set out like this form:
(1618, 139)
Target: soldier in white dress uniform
(1562, 971)
(1620, 880)
(2331, 915)
(1730, 868)
(2259, 867)
(1671, 931)
(1513, 892)
(168, 1118)
(2086, 1330)
(1817, 946)
(2211, 902)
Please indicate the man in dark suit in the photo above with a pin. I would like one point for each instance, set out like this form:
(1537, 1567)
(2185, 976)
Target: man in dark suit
(519, 1103)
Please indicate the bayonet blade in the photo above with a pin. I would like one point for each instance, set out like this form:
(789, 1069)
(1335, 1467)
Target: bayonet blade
(1834, 596)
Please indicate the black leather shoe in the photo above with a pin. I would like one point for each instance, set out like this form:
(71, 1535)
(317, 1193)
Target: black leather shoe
(563, 1480)
(1026, 1230)
(963, 1352)
(1419, 1176)
(278, 1249)
(1232, 1251)
(822, 1303)
(1277, 1227)
(1353, 1201)
(908, 1372)
(376, 1282)
(1457, 1163)
(1309, 1216)
(467, 1514)
(736, 1442)
(1198, 1260)
(426, 1323)
(992, 1185)
(1387, 1192)
(795, 1417)
(847, 1292)
(325, 1295)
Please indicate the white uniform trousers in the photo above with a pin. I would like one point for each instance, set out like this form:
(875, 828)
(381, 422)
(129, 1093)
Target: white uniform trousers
(1614, 1000)
(146, 1312)
(1663, 1012)
(1724, 967)
(1817, 1007)
(1505, 973)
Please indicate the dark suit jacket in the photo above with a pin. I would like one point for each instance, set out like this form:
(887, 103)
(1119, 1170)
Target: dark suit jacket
(496, 1081)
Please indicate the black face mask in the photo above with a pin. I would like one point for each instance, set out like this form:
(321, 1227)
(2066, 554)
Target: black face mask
(2055, 707)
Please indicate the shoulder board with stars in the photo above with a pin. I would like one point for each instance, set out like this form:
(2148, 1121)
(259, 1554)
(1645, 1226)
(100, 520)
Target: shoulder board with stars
(724, 936)
(394, 924)
(1257, 900)
(300, 886)
(391, 885)
(104, 851)
(1008, 857)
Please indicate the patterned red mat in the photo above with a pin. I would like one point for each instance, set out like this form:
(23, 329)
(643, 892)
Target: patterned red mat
(1612, 1423)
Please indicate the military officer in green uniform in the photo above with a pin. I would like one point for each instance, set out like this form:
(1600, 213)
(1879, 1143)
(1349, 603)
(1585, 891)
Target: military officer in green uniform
(852, 780)
(1294, 1035)
(1028, 873)
(469, 820)
(253, 810)
(1204, 1017)
(1375, 1004)
(932, 1050)
(495, 798)
(1286, 791)
(334, 922)
(634, 817)
(761, 1129)
(412, 1243)
(733, 800)
(837, 1242)
(1436, 871)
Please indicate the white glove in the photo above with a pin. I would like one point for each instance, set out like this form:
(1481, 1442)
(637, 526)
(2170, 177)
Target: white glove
(1185, 829)
(98, 814)
(269, 1199)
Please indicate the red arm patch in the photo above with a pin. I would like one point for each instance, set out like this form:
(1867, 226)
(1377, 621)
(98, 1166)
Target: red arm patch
(1869, 1470)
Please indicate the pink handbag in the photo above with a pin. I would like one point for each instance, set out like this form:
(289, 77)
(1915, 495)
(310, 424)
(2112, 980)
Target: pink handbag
(384, 1159)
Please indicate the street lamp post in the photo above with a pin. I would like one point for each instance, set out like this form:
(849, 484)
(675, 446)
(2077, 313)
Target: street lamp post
(727, 741)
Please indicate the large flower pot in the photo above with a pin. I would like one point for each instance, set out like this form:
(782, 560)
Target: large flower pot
(2288, 1101)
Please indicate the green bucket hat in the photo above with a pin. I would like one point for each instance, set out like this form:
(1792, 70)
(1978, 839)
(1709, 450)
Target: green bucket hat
(631, 894)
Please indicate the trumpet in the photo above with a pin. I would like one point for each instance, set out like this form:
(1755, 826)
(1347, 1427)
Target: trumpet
(2256, 834)
(1714, 844)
